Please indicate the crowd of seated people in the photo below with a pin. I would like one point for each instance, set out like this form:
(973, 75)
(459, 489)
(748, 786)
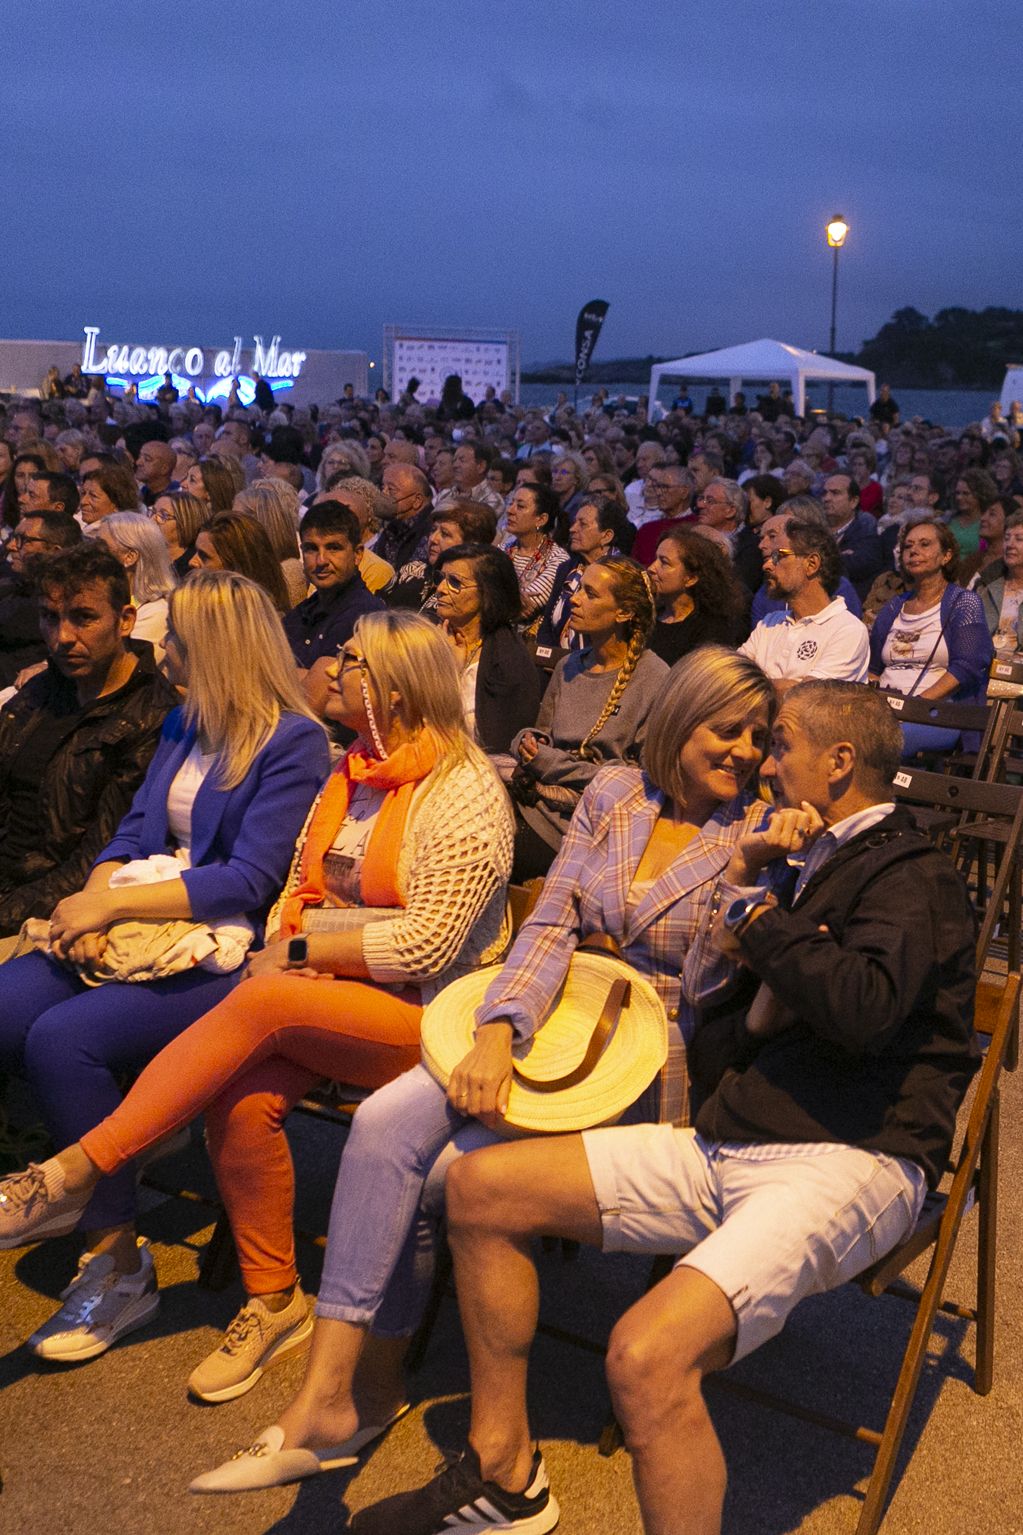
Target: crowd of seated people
(534, 649)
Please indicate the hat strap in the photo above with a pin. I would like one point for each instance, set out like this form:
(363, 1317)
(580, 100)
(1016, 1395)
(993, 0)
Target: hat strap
(617, 998)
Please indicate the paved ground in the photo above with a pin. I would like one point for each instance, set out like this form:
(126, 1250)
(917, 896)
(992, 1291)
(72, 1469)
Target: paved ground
(113, 1444)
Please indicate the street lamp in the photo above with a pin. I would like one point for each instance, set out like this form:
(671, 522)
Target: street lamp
(836, 231)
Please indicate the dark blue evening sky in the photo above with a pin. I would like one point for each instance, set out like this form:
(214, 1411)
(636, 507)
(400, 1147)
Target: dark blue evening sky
(186, 172)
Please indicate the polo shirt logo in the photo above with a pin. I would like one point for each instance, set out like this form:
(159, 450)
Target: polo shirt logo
(807, 650)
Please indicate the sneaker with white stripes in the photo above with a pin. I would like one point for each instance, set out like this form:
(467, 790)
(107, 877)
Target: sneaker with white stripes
(459, 1499)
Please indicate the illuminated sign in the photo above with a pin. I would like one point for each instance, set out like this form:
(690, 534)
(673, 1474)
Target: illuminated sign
(145, 362)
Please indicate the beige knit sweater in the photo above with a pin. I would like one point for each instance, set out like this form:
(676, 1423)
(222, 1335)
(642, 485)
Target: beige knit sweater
(452, 874)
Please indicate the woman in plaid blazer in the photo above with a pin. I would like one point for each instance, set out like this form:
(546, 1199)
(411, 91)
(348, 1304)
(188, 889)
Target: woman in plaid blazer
(640, 861)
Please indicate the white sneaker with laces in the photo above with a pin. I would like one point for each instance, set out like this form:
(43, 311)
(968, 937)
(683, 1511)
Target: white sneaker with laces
(99, 1307)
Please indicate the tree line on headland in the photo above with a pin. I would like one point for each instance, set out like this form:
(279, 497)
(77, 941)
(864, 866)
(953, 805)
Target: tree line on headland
(957, 349)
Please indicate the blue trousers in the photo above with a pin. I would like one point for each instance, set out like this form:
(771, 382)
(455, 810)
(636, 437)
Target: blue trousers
(71, 1042)
(926, 738)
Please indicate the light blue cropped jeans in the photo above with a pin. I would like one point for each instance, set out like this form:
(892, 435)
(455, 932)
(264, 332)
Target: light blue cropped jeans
(379, 1259)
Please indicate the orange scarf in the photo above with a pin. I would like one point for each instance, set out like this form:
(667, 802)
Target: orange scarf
(399, 774)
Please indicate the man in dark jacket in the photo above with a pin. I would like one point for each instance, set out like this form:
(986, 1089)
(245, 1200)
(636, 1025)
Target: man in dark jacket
(833, 1111)
(38, 536)
(75, 742)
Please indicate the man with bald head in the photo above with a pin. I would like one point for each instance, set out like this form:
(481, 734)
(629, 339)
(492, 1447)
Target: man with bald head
(154, 470)
(405, 510)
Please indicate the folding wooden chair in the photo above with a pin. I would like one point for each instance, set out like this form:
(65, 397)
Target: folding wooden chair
(982, 720)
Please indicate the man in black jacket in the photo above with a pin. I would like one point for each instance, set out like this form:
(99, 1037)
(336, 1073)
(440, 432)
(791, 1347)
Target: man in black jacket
(833, 1111)
(75, 742)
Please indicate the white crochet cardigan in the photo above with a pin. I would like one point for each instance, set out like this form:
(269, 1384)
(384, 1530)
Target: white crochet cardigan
(452, 874)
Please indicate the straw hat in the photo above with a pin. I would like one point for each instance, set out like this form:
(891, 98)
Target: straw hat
(556, 1088)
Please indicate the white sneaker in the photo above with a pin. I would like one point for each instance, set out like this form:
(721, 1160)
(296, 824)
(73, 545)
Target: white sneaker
(99, 1307)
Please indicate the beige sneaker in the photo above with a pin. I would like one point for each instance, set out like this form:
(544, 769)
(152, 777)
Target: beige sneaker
(255, 1339)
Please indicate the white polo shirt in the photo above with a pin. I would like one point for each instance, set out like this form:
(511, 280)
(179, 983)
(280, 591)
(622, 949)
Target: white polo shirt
(832, 643)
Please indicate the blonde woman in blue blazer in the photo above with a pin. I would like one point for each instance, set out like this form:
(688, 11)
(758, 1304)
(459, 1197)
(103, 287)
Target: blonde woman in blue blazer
(227, 793)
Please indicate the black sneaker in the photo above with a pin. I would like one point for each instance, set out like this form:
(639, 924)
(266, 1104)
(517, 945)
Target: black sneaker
(459, 1499)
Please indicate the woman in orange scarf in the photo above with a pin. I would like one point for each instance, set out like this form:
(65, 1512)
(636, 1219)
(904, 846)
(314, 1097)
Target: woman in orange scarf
(397, 886)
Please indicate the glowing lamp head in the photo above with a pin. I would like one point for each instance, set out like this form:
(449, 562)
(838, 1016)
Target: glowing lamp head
(837, 230)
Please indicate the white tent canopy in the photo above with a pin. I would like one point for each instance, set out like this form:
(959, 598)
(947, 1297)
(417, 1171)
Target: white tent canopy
(761, 362)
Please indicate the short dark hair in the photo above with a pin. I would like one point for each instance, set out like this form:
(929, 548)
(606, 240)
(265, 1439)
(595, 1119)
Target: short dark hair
(831, 711)
(494, 573)
(87, 563)
(506, 468)
(332, 517)
(547, 503)
(809, 538)
(476, 521)
(768, 487)
(62, 488)
(611, 519)
(60, 528)
(482, 452)
(946, 538)
(117, 483)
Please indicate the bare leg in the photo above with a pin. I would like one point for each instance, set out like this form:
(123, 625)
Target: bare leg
(120, 1242)
(658, 1355)
(351, 1380)
(497, 1200)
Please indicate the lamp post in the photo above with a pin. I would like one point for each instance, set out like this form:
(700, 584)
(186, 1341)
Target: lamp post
(836, 231)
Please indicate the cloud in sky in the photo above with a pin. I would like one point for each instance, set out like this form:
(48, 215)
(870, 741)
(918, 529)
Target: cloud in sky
(198, 171)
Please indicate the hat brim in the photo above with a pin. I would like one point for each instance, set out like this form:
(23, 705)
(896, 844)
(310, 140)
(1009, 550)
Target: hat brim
(634, 1054)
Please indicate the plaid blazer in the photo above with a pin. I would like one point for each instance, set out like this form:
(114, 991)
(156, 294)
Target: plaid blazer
(587, 892)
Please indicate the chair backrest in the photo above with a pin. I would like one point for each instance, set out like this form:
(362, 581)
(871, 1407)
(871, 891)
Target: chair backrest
(944, 714)
(994, 808)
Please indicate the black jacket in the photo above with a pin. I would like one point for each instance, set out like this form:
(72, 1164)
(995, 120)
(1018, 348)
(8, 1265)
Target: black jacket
(508, 690)
(21, 643)
(883, 1048)
(87, 785)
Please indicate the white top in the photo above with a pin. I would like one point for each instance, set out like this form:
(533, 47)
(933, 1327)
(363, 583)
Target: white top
(181, 794)
(342, 864)
(151, 625)
(468, 688)
(832, 643)
(915, 649)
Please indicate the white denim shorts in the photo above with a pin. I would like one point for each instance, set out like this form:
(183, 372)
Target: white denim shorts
(767, 1224)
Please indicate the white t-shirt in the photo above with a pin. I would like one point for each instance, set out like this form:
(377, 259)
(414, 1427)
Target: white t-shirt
(468, 690)
(342, 864)
(832, 643)
(185, 786)
(907, 652)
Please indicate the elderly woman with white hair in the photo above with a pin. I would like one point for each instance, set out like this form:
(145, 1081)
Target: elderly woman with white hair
(138, 544)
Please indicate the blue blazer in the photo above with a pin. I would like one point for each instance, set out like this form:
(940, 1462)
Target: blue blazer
(242, 838)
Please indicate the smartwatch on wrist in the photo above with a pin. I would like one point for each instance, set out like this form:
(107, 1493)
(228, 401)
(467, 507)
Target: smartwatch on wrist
(740, 911)
(298, 952)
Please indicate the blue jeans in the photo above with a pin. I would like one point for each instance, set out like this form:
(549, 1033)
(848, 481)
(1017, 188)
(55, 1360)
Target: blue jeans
(926, 738)
(71, 1042)
(379, 1256)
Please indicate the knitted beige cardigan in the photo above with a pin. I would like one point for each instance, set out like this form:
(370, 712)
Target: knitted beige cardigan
(453, 868)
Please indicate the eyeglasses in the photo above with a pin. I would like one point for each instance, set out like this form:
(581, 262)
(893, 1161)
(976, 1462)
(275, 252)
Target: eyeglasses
(777, 555)
(346, 659)
(162, 516)
(455, 584)
(20, 540)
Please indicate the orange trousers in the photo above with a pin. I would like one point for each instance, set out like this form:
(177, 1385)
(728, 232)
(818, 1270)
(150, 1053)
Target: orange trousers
(247, 1063)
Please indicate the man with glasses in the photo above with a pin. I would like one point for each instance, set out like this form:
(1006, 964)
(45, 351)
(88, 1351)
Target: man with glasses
(38, 537)
(815, 635)
(723, 506)
(669, 493)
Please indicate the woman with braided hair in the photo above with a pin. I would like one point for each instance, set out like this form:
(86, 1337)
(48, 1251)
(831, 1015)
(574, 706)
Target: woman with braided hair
(594, 711)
